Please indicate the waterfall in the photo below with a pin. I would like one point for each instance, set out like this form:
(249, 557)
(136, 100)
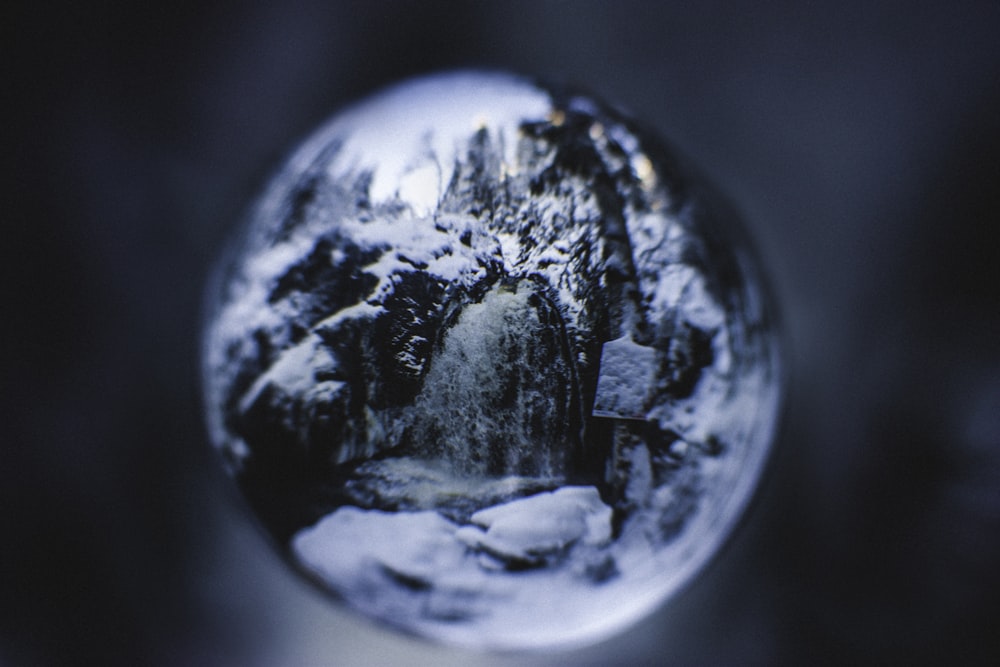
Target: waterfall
(499, 395)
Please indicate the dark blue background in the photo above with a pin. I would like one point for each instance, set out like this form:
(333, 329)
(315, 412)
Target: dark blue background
(861, 141)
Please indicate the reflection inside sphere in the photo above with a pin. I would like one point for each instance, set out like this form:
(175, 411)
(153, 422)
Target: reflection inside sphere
(488, 366)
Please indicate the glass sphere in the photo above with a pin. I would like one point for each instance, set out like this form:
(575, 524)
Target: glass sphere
(490, 366)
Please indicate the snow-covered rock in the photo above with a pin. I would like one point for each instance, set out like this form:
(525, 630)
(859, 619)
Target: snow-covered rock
(626, 380)
(356, 547)
(530, 530)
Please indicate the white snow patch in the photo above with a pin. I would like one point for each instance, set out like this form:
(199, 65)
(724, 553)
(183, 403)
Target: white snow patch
(357, 311)
(294, 371)
(526, 528)
(626, 379)
(352, 545)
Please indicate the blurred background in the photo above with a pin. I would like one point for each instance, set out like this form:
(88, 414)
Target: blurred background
(860, 140)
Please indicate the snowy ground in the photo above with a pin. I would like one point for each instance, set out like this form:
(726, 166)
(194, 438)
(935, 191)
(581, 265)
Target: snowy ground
(514, 574)
(541, 571)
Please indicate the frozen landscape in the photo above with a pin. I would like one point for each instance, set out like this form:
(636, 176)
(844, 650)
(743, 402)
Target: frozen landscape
(488, 366)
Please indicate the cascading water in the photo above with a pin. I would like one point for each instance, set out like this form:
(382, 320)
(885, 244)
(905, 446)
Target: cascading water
(498, 397)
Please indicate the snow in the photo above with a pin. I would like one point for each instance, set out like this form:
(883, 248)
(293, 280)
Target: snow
(353, 545)
(294, 371)
(525, 529)
(434, 576)
(357, 311)
(424, 570)
(625, 380)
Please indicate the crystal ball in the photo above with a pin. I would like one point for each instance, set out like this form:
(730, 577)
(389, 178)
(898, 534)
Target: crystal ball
(490, 365)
